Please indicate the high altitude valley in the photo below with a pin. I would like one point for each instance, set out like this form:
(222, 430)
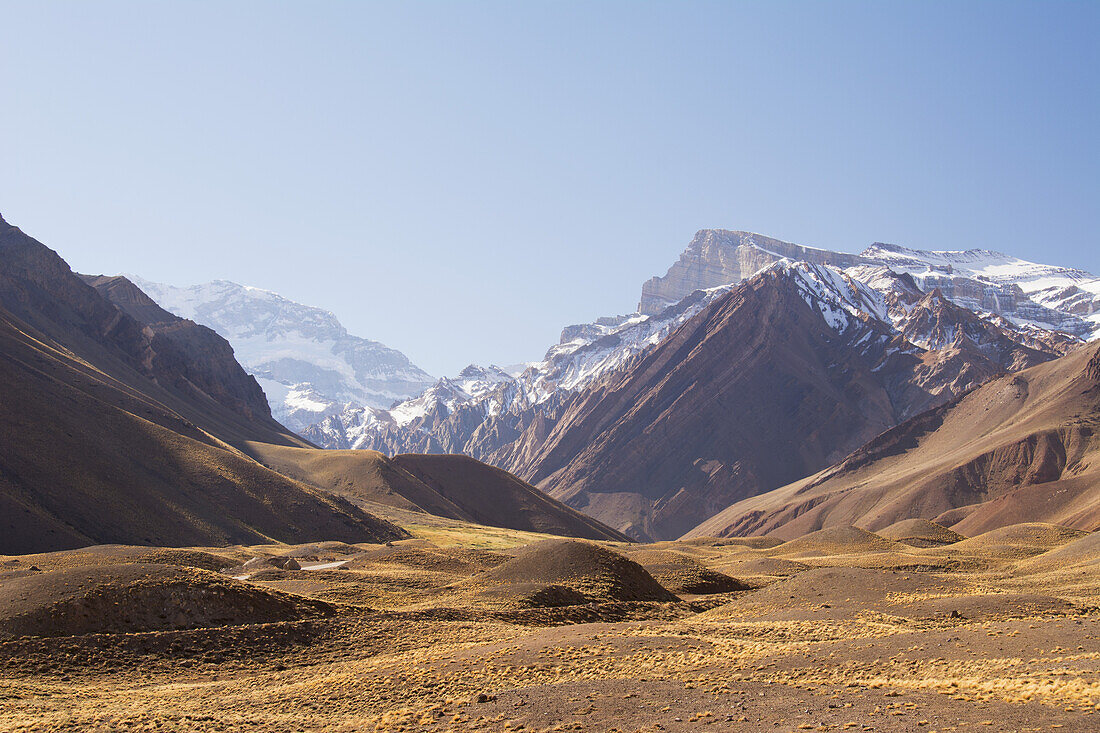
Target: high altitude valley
(385, 367)
(797, 489)
(890, 332)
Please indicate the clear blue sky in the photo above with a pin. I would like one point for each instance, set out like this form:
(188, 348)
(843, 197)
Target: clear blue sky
(460, 180)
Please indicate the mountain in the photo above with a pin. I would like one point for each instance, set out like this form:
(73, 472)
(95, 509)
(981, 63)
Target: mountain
(937, 324)
(1027, 293)
(452, 486)
(450, 417)
(1023, 447)
(447, 418)
(307, 363)
(913, 350)
(119, 425)
(718, 257)
(779, 377)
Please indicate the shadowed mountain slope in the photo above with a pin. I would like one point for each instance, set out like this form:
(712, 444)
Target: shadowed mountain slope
(107, 435)
(1023, 447)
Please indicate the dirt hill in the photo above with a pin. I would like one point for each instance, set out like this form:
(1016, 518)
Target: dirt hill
(141, 597)
(565, 572)
(452, 486)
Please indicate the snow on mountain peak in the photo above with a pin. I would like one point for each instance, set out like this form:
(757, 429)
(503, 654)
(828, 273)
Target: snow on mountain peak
(1046, 296)
(305, 360)
(841, 299)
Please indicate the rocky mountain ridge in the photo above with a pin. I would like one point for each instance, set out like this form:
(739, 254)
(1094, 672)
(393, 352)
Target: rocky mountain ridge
(984, 281)
(790, 370)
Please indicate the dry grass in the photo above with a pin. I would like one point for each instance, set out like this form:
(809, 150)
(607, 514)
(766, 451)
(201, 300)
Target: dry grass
(409, 649)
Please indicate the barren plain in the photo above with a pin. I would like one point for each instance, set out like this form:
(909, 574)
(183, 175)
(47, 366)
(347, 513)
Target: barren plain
(472, 628)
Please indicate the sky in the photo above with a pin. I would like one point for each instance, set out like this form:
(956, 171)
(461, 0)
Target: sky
(460, 180)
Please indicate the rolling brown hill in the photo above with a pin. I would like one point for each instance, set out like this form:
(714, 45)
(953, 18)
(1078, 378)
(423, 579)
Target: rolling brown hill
(1023, 448)
(452, 486)
(768, 384)
(110, 434)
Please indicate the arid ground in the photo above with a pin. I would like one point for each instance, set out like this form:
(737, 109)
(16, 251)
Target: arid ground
(471, 628)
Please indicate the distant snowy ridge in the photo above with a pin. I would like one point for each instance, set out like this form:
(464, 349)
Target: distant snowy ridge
(1025, 292)
(584, 353)
(304, 359)
(984, 281)
(868, 305)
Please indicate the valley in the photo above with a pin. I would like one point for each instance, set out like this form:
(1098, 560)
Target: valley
(837, 630)
(532, 367)
(812, 499)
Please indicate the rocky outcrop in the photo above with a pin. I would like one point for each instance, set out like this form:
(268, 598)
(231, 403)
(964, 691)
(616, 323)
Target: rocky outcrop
(720, 257)
(184, 354)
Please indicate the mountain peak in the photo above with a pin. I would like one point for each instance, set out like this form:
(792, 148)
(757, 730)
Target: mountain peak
(832, 292)
(307, 363)
(717, 257)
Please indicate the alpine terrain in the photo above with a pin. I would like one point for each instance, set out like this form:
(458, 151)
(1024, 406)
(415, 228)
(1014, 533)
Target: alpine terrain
(124, 423)
(902, 485)
(931, 325)
(308, 365)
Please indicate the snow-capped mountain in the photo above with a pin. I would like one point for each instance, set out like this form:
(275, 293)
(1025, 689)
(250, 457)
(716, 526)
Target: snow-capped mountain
(584, 353)
(778, 377)
(343, 392)
(864, 335)
(307, 363)
(1026, 293)
(449, 418)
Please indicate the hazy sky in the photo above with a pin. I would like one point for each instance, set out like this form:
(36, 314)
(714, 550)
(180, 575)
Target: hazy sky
(460, 180)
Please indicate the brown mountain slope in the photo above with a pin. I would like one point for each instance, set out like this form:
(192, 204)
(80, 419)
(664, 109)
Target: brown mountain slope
(185, 367)
(1023, 447)
(452, 486)
(111, 433)
(196, 360)
(84, 460)
(757, 390)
